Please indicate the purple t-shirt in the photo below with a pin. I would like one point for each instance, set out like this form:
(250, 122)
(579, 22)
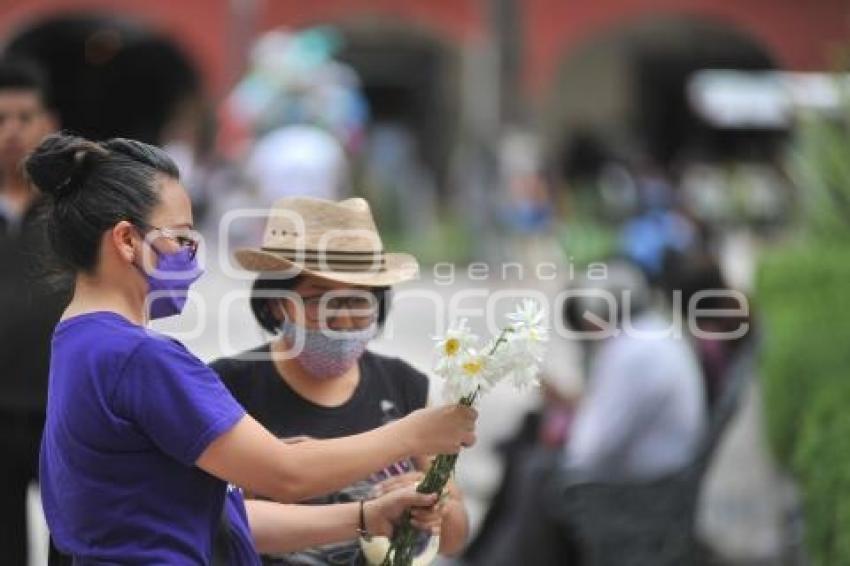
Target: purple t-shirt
(128, 414)
(240, 544)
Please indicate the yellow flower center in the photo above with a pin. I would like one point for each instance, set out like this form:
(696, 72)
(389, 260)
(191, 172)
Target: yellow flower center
(452, 346)
(472, 367)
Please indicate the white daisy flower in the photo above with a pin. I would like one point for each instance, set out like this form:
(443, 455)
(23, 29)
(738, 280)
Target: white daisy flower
(450, 348)
(528, 315)
(469, 377)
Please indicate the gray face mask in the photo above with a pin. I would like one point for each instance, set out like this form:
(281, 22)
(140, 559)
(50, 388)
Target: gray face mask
(325, 355)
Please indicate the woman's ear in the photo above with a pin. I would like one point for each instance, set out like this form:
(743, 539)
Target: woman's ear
(124, 237)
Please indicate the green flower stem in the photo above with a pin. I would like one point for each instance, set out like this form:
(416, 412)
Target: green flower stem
(401, 549)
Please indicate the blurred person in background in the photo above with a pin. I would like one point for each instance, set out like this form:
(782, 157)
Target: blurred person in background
(528, 211)
(644, 411)
(716, 339)
(333, 385)
(25, 118)
(659, 224)
(674, 248)
(299, 160)
(402, 187)
(296, 115)
(642, 414)
(31, 303)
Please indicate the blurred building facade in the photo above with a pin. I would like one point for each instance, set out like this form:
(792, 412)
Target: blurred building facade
(586, 76)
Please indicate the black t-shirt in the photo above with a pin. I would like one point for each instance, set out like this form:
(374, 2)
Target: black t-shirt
(33, 294)
(388, 390)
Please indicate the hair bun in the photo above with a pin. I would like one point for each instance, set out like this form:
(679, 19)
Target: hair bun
(60, 163)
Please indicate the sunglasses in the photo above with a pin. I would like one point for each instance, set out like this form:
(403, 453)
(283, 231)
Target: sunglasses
(363, 309)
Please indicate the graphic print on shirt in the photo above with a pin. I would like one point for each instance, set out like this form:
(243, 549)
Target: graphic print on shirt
(348, 553)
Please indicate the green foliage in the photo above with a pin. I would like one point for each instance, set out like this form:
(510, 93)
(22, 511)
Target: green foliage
(585, 235)
(820, 462)
(820, 166)
(448, 240)
(585, 240)
(804, 297)
(804, 301)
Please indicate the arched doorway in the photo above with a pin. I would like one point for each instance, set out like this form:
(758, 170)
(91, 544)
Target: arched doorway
(623, 95)
(410, 80)
(110, 76)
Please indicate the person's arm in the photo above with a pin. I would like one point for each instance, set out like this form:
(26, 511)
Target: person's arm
(183, 407)
(249, 456)
(278, 528)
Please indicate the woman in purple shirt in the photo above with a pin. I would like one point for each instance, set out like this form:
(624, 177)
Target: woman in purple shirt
(141, 437)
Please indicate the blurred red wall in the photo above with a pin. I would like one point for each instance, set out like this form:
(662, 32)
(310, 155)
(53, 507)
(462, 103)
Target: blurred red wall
(799, 35)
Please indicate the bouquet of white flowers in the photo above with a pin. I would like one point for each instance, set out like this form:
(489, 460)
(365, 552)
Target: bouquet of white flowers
(469, 368)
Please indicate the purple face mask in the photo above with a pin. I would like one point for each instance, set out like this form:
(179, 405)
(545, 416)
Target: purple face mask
(168, 286)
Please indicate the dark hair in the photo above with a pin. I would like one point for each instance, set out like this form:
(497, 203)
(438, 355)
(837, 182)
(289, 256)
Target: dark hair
(91, 186)
(622, 275)
(266, 285)
(690, 274)
(22, 74)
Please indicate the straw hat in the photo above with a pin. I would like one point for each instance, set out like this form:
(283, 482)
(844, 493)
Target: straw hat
(337, 241)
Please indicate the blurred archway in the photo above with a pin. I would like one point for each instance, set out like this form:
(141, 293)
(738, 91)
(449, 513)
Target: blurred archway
(410, 79)
(112, 76)
(622, 95)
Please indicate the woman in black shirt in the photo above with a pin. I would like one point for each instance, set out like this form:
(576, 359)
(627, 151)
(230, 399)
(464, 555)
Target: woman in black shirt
(323, 289)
